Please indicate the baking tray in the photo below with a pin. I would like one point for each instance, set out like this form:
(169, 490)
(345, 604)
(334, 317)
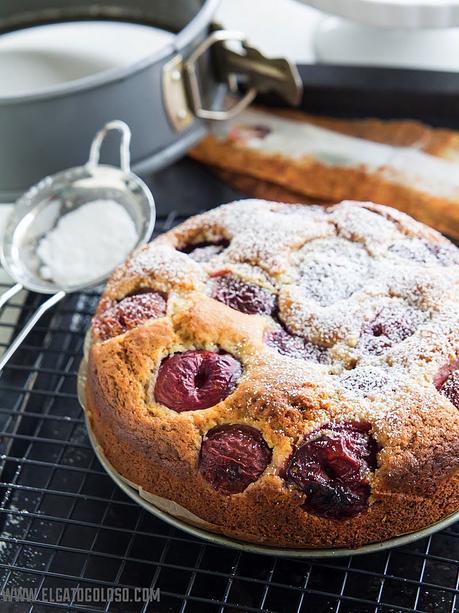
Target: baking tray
(387, 93)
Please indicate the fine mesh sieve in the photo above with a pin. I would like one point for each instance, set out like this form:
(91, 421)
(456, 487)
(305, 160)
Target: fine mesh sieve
(41, 208)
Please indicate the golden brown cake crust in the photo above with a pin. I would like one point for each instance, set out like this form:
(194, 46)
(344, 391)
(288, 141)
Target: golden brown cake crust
(286, 398)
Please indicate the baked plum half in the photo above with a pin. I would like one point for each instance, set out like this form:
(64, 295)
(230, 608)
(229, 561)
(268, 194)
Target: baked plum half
(129, 313)
(332, 467)
(447, 382)
(232, 457)
(204, 251)
(391, 325)
(296, 346)
(241, 296)
(196, 380)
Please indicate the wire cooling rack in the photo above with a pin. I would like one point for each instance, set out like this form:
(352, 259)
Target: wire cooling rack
(64, 524)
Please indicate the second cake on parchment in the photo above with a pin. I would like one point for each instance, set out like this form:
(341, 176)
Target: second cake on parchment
(405, 164)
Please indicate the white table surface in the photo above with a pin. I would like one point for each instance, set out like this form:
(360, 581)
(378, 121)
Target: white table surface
(307, 35)
(278, 27)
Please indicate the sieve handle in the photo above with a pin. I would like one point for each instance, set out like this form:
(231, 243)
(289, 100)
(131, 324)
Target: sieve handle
(54, 299)
(12, 291)
(125, 156)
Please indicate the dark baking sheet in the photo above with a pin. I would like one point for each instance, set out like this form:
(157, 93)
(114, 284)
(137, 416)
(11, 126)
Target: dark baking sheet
(65, 524)
(388, 93)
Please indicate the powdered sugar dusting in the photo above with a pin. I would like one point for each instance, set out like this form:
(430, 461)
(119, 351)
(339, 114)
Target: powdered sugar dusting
(423, 252)
(364, 226)
(365, 380)
(331, 269)
(169, 268)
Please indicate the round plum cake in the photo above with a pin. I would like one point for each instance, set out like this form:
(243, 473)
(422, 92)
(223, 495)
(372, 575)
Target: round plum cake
(287, 373)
